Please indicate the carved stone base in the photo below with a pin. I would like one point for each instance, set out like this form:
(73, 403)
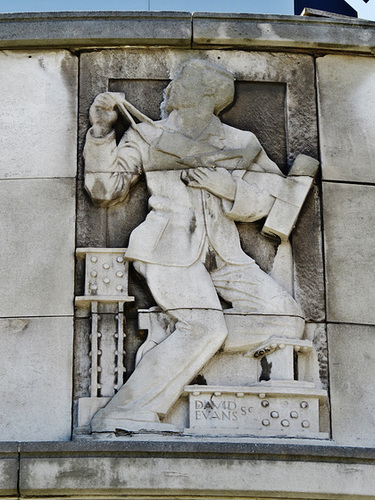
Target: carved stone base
(268, 409)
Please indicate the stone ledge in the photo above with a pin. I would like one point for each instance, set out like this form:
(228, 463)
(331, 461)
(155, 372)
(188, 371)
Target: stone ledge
(94, 29)
(207, 447)
(209, 469)
(9, 462)
(283, 33)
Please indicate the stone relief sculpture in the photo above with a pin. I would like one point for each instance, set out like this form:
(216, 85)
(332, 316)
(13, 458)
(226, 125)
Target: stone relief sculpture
(202, 176)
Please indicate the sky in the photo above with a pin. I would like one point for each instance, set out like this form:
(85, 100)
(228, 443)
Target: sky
(365, 11)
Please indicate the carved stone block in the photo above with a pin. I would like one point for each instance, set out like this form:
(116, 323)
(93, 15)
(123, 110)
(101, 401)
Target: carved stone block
(36, 399)
(203, 176)
(352, 384)
(349, 246)
(38, 88)
(264, 410)
(36, 247)
(349, 80)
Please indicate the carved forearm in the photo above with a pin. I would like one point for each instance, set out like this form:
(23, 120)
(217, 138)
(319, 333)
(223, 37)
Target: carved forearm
(109, 171)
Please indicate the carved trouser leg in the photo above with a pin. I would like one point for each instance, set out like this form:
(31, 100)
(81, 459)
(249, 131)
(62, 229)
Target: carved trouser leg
(161, 375)
(190, 298)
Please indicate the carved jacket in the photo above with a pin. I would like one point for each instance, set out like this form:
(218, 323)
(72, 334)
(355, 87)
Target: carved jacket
(181, 218)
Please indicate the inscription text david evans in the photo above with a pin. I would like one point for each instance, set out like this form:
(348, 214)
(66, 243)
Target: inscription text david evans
(224, 410)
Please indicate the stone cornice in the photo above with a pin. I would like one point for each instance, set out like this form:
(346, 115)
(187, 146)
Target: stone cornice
(82, 30)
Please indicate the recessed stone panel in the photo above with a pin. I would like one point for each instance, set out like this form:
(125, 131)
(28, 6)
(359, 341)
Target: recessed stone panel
(38, 108)
(346, 117)
(352, 360)
(349, 220)
(36, 379)
(37, 247)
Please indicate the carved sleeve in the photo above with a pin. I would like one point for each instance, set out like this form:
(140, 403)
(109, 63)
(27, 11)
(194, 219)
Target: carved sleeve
(256, 190)
(111, 170)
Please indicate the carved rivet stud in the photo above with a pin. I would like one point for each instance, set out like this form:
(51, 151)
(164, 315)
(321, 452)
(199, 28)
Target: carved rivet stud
(274, 414)
(261, 395)
(94, 259)
(285, 423)
(106, 266)
(217, 393)
(266, 422)
(120, 274)
(94, 287)
(94, 274)
(106, 281)
(196, 393)
(293, 414)
(282, 346)
(273, 346)
(265, 403)
(305, 424)
(304, 404)
(297, 348)
(240, 394)
(119, 288)
(120, 259)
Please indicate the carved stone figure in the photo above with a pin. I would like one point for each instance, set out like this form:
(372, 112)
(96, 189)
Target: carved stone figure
(202, 176)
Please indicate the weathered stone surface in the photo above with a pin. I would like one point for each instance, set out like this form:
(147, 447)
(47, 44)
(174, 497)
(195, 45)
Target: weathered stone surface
(349, 218)
(316, 368)
(177, 468)
(74, 29)
(308, 259)
(283, 32)
(38, 108)
(347, 113)
(352, 359)
(36, 376)
(37, 247)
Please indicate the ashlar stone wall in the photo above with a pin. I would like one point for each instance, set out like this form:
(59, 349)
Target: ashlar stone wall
(38, 102)
(313, 84)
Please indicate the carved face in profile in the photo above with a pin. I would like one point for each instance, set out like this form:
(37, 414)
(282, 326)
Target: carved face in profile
(198, 79)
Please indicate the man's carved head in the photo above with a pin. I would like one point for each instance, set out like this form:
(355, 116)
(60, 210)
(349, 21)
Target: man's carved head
(195, 80)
